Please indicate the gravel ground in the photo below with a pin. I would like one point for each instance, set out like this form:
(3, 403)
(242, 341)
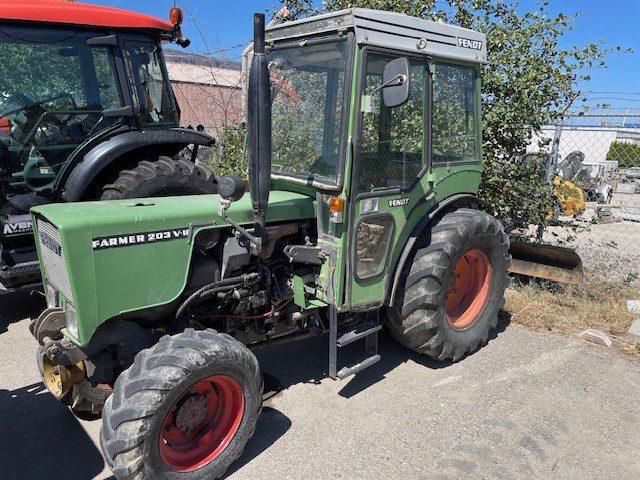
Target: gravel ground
(527, 406)
(608, 250)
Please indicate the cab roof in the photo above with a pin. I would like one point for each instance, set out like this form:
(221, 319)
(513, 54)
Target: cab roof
(390, 30)
(55, 12)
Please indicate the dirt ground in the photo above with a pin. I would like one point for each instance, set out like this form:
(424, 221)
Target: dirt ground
(608, 250)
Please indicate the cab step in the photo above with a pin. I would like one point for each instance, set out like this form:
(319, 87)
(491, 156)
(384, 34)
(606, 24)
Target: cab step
(367, 331)
(352, 370)
(360, 332)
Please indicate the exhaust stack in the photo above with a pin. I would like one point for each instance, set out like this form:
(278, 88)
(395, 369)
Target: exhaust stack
(259, 127)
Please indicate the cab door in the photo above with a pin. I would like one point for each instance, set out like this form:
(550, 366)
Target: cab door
(391, 160)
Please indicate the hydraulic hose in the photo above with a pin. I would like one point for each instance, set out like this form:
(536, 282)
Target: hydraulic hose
(216, 287)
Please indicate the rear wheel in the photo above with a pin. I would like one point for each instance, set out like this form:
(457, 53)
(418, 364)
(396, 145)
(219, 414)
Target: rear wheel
(162, 177)
(184, 410)
(454, 287)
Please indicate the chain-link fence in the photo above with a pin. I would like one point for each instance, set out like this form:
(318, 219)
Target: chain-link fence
(594, 174)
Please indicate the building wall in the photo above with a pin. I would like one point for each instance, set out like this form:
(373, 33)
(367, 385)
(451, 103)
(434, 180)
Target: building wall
(594, 142)
(209, 91)
(211, 106)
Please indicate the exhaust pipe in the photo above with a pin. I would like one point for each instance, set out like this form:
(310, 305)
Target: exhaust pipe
(259, 128)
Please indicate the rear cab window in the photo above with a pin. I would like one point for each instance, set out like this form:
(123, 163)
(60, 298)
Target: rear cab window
(456, 114)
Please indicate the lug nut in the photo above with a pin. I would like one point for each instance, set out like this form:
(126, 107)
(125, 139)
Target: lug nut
(54, 350)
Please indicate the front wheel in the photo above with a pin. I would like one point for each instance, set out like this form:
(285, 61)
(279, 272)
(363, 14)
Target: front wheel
(452, 291)
(184, 410)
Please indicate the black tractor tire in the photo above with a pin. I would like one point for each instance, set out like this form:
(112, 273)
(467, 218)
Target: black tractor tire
(84, 398)
(163, 177)
(148, 400)
(88, 399)
(453, 287)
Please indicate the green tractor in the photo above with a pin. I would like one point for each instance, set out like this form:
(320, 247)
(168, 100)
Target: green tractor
(86, 113)
(364, 153)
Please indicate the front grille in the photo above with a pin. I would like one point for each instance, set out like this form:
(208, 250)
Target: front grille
(55, 266)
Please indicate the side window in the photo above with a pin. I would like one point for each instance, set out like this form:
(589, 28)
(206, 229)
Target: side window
(105, 73)
(54, 89)
(392, 140)
(144, 67)
(455, 116)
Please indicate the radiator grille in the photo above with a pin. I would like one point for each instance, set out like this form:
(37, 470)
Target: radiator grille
(55, 266)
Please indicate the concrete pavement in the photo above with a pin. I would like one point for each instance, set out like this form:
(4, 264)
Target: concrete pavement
(527, 406)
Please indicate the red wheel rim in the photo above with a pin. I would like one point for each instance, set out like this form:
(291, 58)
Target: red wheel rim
(201, 423)
(468, 295)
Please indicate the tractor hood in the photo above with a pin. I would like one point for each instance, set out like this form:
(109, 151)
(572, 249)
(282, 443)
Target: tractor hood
(111, 258)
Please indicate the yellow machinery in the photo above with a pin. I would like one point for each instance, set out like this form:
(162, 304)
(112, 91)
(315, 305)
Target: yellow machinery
(570, 197)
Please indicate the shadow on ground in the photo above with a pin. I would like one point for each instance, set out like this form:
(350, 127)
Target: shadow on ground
(307, 361)
(41, 439)
(16, 306)
(271, 426)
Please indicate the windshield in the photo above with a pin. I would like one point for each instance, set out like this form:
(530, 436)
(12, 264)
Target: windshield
(53, 89)
(308, 85)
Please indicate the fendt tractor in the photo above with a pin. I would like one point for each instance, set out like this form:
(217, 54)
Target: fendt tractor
(86, 113)
(364, 153)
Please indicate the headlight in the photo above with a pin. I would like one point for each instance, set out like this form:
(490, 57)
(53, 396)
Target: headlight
(72, 321)
(51, 294)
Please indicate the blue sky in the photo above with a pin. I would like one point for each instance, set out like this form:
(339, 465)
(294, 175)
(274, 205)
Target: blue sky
(225, 24)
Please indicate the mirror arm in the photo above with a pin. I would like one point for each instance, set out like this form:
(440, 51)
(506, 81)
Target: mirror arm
(400, 79)
(254, 240)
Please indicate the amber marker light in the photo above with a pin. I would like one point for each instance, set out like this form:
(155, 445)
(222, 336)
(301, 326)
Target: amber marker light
(336, 209)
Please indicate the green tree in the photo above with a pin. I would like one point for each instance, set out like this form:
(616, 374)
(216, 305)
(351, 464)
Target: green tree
(530, 79)
(626, 154)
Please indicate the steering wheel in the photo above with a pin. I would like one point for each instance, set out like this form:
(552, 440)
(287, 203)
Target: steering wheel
(21, 101)
(24, 102)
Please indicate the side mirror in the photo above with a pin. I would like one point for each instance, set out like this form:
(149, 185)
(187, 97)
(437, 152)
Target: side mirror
(395, 83)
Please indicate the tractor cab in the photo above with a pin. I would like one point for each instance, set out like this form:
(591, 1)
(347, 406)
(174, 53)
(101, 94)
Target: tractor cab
(65, 84)
(370, 120)
(61, 88)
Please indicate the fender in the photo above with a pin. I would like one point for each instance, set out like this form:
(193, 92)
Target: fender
(83, 170)
(445, 205)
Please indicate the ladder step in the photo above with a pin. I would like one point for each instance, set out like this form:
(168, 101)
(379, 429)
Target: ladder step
(360, 332)
(348, 371)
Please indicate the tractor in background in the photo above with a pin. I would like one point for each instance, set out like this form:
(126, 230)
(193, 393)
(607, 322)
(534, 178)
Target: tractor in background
(86, 113)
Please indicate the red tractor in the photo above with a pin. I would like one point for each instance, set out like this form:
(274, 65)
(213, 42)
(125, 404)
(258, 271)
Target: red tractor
(86, 113)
